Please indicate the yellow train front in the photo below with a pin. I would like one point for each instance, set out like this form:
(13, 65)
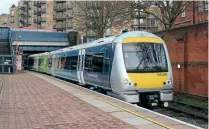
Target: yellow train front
(141, 69)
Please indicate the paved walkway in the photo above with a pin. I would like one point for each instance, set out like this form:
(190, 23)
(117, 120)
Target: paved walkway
(29, 102)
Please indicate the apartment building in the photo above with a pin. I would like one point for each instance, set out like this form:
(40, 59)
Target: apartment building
(14, 17)
(4, 20)
(138, 21)
(196, 13)
(54, 15)
(60, 16)
(63, 15)
(43, 14)
(25, 8)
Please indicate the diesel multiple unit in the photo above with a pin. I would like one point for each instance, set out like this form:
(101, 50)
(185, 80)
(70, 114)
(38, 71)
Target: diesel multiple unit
(134, 67)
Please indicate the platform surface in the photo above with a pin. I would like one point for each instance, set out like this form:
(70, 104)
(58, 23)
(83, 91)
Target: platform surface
(36, 101)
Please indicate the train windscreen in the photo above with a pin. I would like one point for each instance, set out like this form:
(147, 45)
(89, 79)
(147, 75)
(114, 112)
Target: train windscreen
(144, 57)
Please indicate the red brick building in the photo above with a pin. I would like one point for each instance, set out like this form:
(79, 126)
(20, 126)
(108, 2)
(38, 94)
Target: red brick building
(195, 13)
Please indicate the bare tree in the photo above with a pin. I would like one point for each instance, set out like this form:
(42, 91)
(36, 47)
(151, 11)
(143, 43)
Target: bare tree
(169, 10)
(98, 16)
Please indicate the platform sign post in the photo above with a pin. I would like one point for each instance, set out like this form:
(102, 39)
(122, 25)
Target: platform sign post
(17, 46)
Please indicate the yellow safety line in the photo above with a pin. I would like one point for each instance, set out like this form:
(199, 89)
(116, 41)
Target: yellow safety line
(134, 113)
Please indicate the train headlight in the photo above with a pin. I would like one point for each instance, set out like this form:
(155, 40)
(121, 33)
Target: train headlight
(126, 81)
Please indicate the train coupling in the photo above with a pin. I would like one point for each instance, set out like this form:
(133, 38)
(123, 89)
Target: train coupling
(153, 100)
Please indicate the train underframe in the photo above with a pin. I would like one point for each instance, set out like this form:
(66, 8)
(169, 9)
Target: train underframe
(148, 99)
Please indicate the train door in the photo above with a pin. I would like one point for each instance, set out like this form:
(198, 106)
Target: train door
(53, 64)
(80, 66)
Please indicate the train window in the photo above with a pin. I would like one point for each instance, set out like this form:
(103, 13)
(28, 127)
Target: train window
(68, 63)
(107, 62)
(50, 62)
(63, 61)
(88, 62)
(98, 62)
(40, 62)
(74, 62)
(57, 62)
(30, 62)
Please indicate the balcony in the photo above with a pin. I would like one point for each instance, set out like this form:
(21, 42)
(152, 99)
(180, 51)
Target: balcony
(59, 8)
(25, 22)
(139, 15)
(59, 1)
(70, 25)
(54, 16)
(23, 7)
(35, 11)
(153, 29)
(34, 20)
(54, 26)
(43, 19)
(20, 25)
(70, 5)
(22, 12)
(43, 2)
(35, 3)
(39, 4)
(59, 17)
(21, 20)
(137, 25)
(93, 4)
(43, 10)
(30, 13)
(29, 21)
(39, 20)
(29, 5)
(59, 27)
(39, 12)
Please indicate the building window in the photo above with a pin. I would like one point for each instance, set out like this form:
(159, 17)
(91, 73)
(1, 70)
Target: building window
(206, 5)
(12, 13)
(43, 24)
(200, 6)
(135, 22)
(91, 32)
(151, 23)
(108, 31)
(183, 14)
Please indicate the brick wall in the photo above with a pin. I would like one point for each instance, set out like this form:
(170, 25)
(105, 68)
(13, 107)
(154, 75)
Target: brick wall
(192, 54)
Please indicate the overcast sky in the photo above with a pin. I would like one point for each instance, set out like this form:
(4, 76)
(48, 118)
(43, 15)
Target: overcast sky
(6, 4)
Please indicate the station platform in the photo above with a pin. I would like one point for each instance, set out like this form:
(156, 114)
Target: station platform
(32, 100)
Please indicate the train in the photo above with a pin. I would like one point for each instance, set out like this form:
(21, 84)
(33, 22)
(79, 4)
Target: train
(134, 67)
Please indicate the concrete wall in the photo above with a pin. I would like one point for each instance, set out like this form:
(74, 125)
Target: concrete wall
(192, 54)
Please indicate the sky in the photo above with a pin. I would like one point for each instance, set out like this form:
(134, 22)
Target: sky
(6, 4)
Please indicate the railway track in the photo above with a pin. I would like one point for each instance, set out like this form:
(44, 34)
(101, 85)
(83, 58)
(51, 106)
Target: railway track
(186, 112)
(189, 109)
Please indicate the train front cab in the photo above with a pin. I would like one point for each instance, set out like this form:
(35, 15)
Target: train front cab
(146, 73)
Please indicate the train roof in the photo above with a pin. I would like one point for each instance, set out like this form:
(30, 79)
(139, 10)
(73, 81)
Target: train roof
(102, 41)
